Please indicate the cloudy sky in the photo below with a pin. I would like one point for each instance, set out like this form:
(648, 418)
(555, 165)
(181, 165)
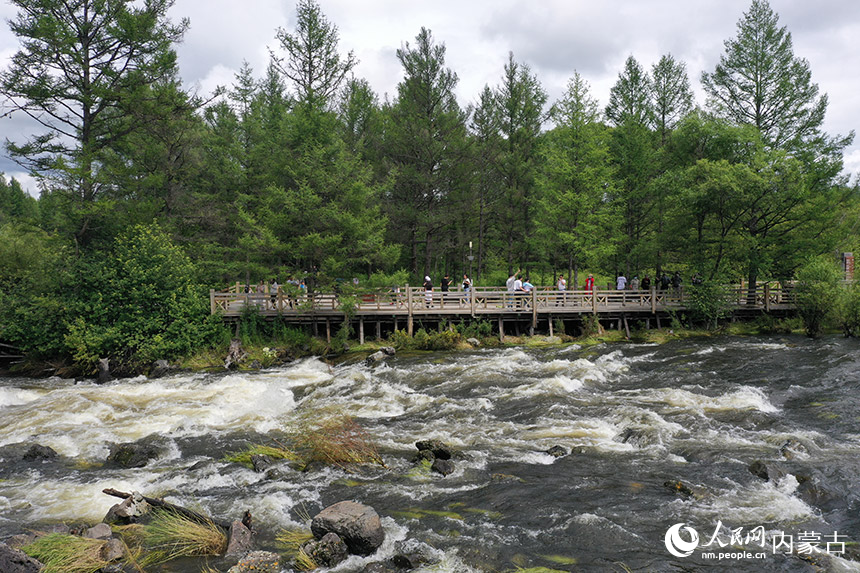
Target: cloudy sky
(554, 37)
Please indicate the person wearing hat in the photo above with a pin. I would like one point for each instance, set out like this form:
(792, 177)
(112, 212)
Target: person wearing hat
(589, 283)
(428, 292)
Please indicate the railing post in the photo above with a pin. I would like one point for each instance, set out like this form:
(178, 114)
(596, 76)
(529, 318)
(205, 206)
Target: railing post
(212, 300)
(472, 300)
(534, 310)
(594, 299)
(767, 297)
(408, 310)
(653, 299)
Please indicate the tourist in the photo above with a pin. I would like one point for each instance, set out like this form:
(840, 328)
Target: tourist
(428, 292)
(560, 286)
(664, 282)
(467, 283)
(589, 283)
(511, 286)
(676, 281)
(646, 283)
(634, 283)
(621, 282)
(273, 290)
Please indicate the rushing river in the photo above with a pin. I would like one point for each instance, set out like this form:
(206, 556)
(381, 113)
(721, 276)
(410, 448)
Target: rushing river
(632, 417)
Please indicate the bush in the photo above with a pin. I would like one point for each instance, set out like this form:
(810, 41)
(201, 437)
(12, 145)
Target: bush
(817, 293)
(708, 303)
(848, 309)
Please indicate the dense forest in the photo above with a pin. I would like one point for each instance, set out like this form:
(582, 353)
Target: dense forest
(151, 194)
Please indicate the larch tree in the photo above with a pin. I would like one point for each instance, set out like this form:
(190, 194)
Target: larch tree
(520, 99)
(630, 97)
(312, 61)
(83, 68)
(425, 144)
(759, 81)
(573, 215)
(672, 95)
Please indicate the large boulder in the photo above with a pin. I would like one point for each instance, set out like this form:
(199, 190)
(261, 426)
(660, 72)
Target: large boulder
(357, 525)
(15, 561)
(439, 449)
(38, 453)
(135, 454)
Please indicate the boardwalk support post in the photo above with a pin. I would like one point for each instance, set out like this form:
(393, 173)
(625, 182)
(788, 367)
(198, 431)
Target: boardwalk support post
(409, 323)
(361, 330)
(328, 330)
(501, 329)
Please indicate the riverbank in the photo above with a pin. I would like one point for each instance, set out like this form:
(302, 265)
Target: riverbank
(266, 350)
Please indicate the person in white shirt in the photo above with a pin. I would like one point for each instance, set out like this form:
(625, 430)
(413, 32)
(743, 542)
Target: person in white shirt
(621, 282)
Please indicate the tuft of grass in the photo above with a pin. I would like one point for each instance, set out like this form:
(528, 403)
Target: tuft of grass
(305, 562)
(293, 539)
(62, 553)
(170, 535)
(338, 441)
(275, 452)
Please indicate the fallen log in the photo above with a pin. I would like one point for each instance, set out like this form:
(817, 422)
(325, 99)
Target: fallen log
(161, 504)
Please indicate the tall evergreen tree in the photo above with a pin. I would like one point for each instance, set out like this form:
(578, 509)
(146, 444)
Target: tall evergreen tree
(759, 81)
(630, 97)
(312, 62)
(426, 145)
(83, 68)
(521, 100)
(573, 215)
(672, 95)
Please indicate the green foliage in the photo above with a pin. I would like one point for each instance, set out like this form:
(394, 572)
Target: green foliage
(817, 293)
(708, 302)
(423, 340)
(474, 329)
(591, 325)
(848, 309)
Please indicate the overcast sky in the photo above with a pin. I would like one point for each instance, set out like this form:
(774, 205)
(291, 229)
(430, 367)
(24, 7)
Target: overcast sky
(553, 37)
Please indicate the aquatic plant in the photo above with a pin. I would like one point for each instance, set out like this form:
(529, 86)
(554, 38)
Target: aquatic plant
(62, 553)
(170, 535)
(244, 457)
(338, 441)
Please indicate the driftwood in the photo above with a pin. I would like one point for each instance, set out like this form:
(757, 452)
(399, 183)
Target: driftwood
(161, 504)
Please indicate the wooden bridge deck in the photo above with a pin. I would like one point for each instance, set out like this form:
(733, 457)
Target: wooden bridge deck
(413, 303)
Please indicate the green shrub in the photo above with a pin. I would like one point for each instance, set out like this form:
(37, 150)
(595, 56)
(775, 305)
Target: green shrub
(817, 293)
(848, 309)
(708, 303)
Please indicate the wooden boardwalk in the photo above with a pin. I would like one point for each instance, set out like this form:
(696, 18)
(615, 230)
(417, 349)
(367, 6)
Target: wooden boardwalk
(404, 306)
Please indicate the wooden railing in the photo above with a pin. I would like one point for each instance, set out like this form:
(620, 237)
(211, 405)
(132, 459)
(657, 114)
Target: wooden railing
(411, 301)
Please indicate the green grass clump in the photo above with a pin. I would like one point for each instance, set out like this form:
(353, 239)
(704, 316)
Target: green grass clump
(170, 535)
(338, 441)
(61, 553)
(274, 452)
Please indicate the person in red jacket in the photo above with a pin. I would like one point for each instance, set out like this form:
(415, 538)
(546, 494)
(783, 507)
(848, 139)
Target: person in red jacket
(589, 283)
